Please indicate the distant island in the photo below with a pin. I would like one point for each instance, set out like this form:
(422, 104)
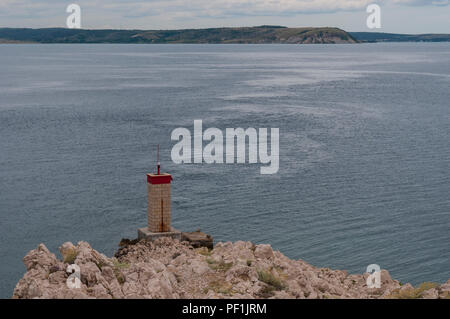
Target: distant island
(256, 35)
(393, 37)
(252, 35)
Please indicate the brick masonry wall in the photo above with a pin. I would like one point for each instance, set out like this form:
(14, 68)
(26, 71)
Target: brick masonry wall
(159, 209)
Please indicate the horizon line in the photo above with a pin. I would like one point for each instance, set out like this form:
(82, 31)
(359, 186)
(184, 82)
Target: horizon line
(222, 27)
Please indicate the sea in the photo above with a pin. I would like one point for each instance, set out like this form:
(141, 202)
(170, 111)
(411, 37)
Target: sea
(364, 149)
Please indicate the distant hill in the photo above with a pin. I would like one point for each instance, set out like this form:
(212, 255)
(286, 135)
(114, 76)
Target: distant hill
(260, 34)
(392, 37)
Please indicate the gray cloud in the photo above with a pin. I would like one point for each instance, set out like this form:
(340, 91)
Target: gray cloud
(202, 8)
(161, 14)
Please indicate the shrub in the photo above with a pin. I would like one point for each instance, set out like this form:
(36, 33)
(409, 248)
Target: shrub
(118, 266)
(270, 279)
(221, 287)
(412, 293)
(70, 256)
(204, 251)
(219, 266)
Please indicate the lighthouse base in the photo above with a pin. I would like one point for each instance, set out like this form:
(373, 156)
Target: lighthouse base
(145, 233)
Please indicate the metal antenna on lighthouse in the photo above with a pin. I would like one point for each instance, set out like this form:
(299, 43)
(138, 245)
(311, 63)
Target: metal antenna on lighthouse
(158, 165)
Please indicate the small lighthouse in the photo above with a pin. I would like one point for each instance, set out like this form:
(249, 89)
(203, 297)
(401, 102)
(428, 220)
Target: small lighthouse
(159, 206)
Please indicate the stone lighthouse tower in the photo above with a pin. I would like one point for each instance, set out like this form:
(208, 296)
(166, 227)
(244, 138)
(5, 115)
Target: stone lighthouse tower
(159, 206)
(158, 210)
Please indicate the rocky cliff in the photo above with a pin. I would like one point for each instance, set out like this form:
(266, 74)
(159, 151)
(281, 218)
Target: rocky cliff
(168, 268)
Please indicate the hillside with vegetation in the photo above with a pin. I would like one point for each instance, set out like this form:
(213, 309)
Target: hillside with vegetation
(261, 34)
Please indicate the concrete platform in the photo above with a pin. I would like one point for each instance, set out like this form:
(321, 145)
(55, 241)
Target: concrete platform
(147, 234)
(198, 239)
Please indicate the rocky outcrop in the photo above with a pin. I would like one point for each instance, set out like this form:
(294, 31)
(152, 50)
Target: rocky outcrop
(167, 268)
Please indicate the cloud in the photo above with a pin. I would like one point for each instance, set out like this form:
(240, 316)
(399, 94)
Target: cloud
(259, 7)
(224, 8)
(421, 2)
(199, 8)
(440, 2)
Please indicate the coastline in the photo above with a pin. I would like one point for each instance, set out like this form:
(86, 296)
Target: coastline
(170, 269)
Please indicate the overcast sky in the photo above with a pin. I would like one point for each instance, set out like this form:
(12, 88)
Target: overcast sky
(405, 16)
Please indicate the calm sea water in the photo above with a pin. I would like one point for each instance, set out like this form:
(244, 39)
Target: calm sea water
(364, 149)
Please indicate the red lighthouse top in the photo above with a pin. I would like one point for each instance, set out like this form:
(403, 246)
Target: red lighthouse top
(159, 178)
(163, 178)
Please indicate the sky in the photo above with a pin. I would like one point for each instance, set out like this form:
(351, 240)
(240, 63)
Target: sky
(400, 16)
